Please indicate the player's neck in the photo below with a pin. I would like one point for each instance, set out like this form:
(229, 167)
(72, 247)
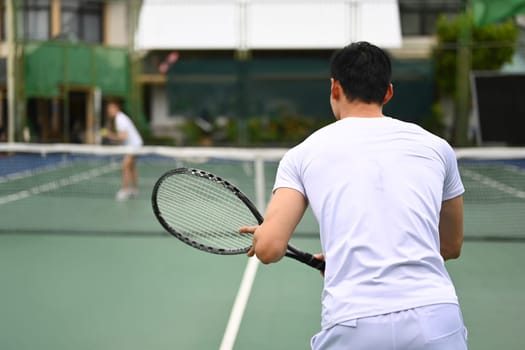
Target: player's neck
(358, 109)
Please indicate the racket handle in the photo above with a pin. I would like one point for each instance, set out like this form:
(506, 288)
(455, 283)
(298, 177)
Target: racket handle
(305, 258)
(316, 263)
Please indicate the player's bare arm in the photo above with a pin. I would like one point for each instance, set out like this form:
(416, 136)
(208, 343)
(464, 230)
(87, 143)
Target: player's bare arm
(451, 228)
(270, 239)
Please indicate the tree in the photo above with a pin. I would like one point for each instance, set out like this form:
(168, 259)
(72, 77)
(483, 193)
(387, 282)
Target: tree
(463, 47)
(491, 47)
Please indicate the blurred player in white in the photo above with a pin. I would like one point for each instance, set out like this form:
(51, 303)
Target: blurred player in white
(127, 135)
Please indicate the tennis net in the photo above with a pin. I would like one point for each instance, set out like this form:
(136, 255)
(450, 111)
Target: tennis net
(66, 189)
(70, 189)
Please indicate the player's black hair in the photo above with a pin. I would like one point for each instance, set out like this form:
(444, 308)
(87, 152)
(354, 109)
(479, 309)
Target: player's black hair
(363, 70)
(115, 102)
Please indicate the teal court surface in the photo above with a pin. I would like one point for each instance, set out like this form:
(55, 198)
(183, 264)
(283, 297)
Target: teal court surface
(79, 270)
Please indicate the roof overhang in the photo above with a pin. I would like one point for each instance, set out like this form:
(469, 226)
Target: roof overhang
(266, 24)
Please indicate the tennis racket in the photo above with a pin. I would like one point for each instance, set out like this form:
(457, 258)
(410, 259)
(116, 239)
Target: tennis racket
(205, 212)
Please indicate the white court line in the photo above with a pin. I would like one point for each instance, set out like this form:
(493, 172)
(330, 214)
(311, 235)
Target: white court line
(515, 169)
(234, 322)
(487, 181)
(54, 185)
(237, 313)
(27, 173)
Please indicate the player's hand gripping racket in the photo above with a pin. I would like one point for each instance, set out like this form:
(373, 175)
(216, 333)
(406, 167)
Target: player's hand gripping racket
(205, 211)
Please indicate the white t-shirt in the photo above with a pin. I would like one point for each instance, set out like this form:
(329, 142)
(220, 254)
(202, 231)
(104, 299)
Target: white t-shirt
(123, 123)
(375, 186)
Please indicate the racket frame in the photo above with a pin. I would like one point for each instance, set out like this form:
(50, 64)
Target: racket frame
(292, 252)
(208, 176)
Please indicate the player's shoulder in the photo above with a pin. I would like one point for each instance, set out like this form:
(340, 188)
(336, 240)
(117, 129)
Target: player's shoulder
(419, 130)
(121, 115)
(123, 120)
(319, 135)
(432, 141)
(313, 141)
(408, 126)
(296, 153)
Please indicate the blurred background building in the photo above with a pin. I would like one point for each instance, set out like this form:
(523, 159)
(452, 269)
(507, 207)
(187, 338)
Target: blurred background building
(69, 56)
(229, 72)
(266, 62)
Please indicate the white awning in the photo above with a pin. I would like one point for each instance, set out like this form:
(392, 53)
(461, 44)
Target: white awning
(266, 24)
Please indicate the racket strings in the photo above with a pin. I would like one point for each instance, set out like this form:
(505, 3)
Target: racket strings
(204, 211)
(203, 231)
(223, 212)
(212, 230)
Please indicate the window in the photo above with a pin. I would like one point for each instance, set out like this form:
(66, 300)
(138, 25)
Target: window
(33, 19)
(3, 34)
(419, 17)
(82, 20)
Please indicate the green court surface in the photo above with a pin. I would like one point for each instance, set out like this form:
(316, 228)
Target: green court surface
(79, 270)
(83, 292)
(490, 283)
(112, 293)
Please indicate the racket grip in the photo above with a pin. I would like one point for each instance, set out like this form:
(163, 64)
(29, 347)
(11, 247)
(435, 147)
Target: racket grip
(305, 258)
(316, 263)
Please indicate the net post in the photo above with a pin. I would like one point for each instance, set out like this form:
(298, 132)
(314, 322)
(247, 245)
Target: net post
(260, 184)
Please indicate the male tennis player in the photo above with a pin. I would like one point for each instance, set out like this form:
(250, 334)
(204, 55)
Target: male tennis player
(126, 134)
(388, 199)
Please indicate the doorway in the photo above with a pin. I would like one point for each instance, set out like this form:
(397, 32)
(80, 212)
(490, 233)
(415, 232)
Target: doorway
(77, 113)
(82, 115)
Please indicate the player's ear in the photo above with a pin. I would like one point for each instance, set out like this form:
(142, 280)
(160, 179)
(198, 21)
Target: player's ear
(335, 96)
(335, 89)
(389, 94)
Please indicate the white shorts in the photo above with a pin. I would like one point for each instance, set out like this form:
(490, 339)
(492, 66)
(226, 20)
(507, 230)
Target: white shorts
(432, 327)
